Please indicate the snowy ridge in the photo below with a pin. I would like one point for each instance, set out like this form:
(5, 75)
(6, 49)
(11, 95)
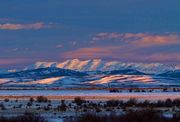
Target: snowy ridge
(100, 65)
(4, 71)
(48, 74)
(91, 81)
(42, 73)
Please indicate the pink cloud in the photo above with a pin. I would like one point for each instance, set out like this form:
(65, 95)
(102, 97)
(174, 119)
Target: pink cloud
(152, 40)
(35, 26)
(168, 57)
(138, 39)
(122, 53)
(91, 52)
(136, 47)
(115, 52)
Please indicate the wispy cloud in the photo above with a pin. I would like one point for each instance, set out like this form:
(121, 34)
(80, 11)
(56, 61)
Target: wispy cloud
(152, 40)
(91, 52)
(123, 53)
(59, 46)
(107, 36)
(19, 26)
(139, 39)
(165, 56)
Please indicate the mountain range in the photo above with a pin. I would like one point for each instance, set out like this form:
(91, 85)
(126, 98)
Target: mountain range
(87, 73)
(101, 65)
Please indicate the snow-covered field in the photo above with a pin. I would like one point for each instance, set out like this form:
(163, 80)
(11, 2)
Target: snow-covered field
(16, 102)
(87, 94)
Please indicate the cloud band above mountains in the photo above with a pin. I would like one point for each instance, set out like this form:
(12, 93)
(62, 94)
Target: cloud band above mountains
(11, 26)
(139, 39)
(131, 47)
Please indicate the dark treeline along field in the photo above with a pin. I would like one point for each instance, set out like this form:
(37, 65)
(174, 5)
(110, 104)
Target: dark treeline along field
(132, 116)
(27, 117)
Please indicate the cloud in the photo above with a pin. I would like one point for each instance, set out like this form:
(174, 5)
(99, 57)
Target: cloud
(15, 49)
(59, 46)
(138, 39)
(73, 43)
(131, 47)
(91, 52)
(123, 54)
(106, 52)
(161, 57)
(107, 36)
(146, 40)
(35, 26)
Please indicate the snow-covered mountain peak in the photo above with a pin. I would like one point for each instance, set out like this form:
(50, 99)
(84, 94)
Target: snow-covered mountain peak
(101, 65)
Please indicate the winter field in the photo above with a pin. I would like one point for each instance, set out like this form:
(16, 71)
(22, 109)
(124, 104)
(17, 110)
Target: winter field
(89, 94)
(62, 105)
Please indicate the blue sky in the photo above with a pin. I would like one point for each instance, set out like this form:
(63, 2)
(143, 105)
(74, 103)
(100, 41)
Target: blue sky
(55, 30)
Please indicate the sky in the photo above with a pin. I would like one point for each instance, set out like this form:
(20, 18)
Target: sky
(56, 30)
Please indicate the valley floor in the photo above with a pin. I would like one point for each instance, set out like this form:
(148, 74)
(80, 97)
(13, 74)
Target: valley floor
(60, 110)
(89, 94)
